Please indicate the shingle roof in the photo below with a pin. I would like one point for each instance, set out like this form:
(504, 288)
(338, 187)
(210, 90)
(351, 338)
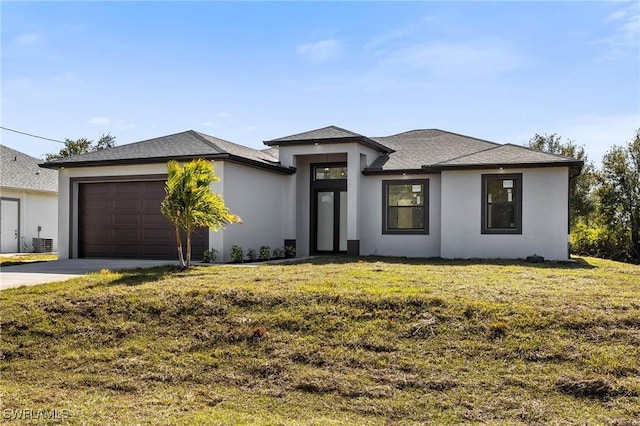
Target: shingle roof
(330, 134)
(508, 154)
(226, 147)
(185, 145)
(415, 150)
(418, 148)
(21, 171)
(435, 149)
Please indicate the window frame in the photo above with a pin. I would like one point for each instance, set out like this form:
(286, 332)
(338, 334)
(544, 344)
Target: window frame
(517, 178)
(385, 206)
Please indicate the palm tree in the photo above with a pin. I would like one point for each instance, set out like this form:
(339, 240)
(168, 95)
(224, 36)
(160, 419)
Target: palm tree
(190, 203)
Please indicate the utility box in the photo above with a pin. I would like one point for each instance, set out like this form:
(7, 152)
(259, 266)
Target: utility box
(42, 245)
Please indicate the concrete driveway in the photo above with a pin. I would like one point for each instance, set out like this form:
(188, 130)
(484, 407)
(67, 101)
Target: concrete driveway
(61, 270)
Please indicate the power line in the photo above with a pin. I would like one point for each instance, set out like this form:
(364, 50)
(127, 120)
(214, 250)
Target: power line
(29, 134)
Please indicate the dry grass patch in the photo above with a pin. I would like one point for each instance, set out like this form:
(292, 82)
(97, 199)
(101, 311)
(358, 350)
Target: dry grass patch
(19, 259)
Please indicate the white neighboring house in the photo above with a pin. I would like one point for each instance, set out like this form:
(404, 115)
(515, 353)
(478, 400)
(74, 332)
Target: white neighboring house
(28, 202)
(422, 193)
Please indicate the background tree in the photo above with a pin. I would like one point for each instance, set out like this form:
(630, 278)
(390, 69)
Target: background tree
(582, 203)
(190, 203)
(82, 146)
(619, 194)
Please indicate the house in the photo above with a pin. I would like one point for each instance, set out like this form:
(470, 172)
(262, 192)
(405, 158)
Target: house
(422, 193)
(28, 202)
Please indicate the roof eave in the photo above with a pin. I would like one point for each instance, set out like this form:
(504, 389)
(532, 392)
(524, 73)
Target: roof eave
(122, 161)
(26, 189)
(386, 172)
(258, 164)
(158, 160)
(574, 168)
(573, 165)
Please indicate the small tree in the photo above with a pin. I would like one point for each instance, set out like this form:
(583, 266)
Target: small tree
(582, 202)
(619, 194)
(190, 203)
(82, 146)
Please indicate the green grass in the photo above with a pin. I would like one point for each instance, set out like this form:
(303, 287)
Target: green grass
(330, 341)
(19, 259)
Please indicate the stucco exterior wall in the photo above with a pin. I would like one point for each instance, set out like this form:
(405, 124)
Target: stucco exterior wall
(374, 242)
(36, 209)
(544, 216)
(258, 197)
(275, 207)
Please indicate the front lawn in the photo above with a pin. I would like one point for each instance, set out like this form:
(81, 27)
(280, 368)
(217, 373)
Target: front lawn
(329, 341)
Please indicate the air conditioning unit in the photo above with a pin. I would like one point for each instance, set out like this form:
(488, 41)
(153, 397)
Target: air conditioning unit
(42, 245)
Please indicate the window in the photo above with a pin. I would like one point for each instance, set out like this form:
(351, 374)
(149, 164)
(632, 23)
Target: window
(502, 204)
(330, 172)
(405, 206)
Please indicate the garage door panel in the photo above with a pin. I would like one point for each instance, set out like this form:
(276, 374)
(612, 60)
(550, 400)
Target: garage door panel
(97, 204)
(98, 192)
(98, 235)
(155, 237)
(125, 250)
(95, 222)
(125, 236)
(151, 207)
(123, 219)
(154, 221)
(126, 206)
(127, 189)
(127, 220)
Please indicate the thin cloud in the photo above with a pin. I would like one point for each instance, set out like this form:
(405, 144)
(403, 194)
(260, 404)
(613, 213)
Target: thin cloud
(456, 59)
(321, 51)
(617, 15)
(625, 38)
(100, 121)
(28, 39)
(124, 126)
(384, 41)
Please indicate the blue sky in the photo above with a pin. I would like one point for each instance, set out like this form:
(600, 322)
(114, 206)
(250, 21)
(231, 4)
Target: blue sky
(249, 72)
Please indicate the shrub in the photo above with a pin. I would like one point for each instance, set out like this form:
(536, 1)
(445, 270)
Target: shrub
(237, 255)
(278, 253)
(209, 255)
(601, 241)
(251, 255)
(265, 253)
(289, 251)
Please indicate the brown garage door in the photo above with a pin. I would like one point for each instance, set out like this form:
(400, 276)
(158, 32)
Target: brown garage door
(123, 220)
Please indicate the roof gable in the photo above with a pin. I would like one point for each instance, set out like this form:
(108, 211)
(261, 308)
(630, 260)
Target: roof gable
(21, 171)
(180, 146)
(176, 145)
(329, 134)
(508, 154)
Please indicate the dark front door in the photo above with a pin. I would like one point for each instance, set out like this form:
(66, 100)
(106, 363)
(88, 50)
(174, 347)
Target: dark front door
(329, 208)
